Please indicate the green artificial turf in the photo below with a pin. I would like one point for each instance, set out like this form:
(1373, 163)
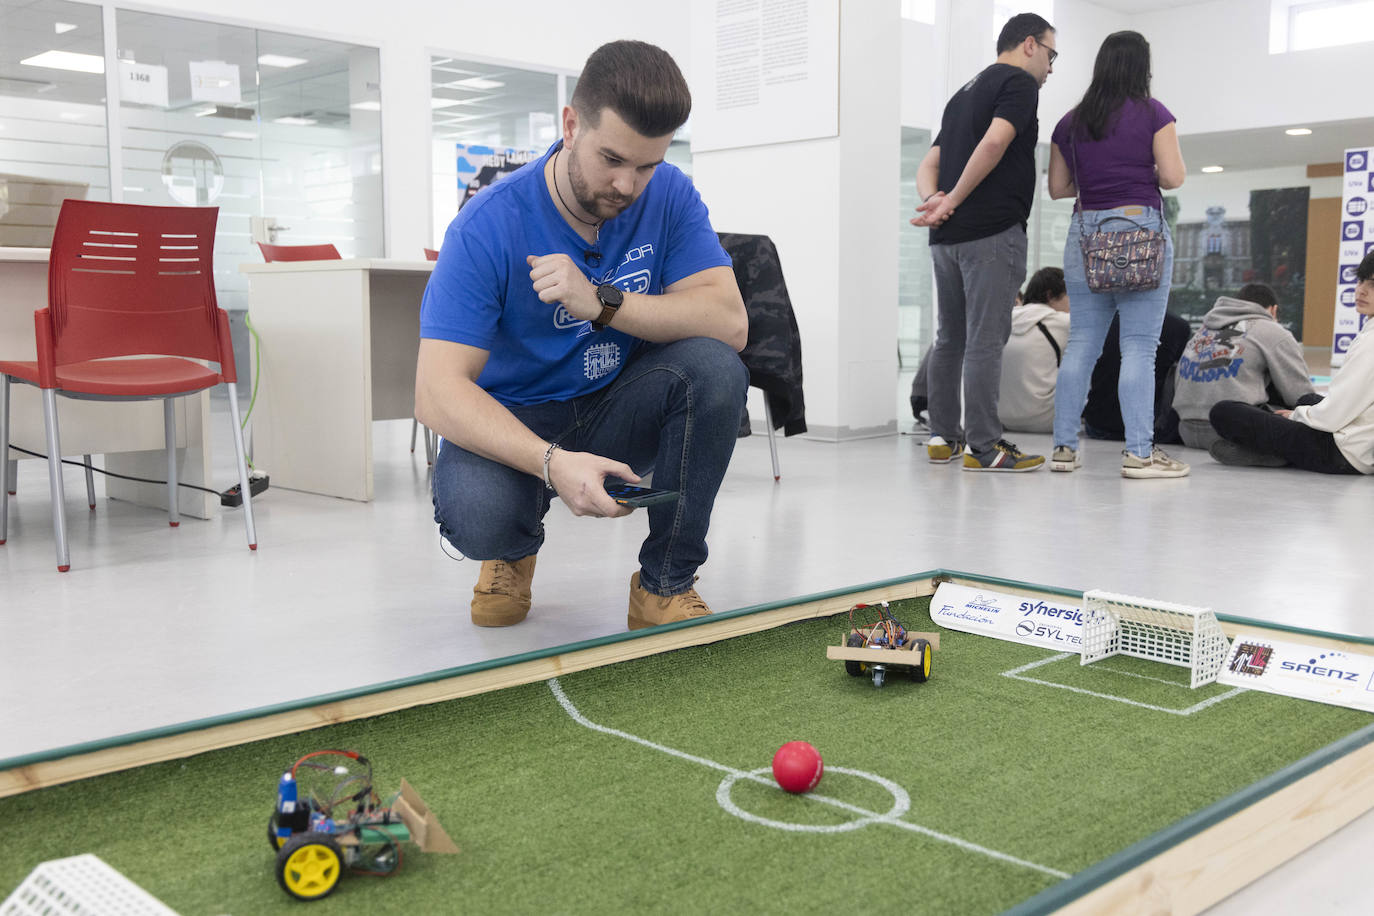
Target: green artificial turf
(553, 816)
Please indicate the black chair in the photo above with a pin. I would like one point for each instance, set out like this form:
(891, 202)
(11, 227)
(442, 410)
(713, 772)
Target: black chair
(773, 354)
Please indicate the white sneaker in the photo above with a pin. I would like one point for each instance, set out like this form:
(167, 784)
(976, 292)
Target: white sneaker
(1065, 459)
(1159, 464)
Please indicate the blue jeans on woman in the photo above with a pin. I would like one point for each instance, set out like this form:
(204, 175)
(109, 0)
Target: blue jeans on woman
(674, 410)
(1142, 315)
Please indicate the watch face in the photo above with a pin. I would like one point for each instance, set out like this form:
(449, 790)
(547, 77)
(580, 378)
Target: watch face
(610, 295)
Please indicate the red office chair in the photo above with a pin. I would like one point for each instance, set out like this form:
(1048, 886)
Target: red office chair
(325, 252)
(125, 281)
(431, 254)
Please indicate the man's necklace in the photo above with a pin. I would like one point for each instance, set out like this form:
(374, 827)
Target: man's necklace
(586, 222)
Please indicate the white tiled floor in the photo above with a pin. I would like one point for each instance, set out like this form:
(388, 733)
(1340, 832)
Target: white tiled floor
(155, 626)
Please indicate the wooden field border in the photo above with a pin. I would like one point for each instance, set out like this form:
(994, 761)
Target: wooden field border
(67, 764)
(1182, 869)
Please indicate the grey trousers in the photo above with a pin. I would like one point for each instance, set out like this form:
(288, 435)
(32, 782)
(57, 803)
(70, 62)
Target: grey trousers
(975, 290)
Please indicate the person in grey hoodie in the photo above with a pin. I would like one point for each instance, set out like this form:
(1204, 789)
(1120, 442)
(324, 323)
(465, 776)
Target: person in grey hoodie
(1030, 359)
(1241, 353)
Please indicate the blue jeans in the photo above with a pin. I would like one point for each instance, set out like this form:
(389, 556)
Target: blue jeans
(674, 410)
(1142, 316)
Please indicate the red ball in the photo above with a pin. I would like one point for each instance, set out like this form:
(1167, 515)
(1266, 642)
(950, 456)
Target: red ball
(797, 766)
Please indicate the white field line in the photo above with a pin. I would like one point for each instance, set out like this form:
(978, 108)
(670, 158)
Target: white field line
(1018, 674)
(582, 720)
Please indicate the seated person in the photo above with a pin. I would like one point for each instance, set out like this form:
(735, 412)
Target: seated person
(1102, 413)
(1241, 353)
(550, 360)
(1333, 436)
(1030, 359)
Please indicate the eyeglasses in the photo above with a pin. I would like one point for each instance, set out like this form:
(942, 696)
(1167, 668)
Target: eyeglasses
(1053, 53)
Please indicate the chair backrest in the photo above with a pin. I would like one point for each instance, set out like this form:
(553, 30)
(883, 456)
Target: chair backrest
(127, 280)
(325, 252)
(431, 254)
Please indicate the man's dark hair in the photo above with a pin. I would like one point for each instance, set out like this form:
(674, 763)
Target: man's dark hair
(1258, 293)
(1121, 72)
(1366, 269)
(1019, 28)
(1045, 284)
(639, 82)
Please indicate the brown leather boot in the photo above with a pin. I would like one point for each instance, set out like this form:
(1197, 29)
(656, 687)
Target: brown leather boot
(650, 610)
(501, 597)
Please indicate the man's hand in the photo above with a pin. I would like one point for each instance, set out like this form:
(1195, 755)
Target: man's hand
(934, 210)
(557, 279)
(580, 481)
(1286, 414)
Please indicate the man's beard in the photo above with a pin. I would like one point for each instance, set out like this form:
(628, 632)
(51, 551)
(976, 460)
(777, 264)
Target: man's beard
(601, 206)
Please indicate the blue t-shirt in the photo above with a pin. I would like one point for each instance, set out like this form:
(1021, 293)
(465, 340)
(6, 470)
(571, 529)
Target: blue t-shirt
(480, 293)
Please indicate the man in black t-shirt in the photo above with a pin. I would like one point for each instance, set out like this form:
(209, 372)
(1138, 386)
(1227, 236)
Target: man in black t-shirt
(976, 186)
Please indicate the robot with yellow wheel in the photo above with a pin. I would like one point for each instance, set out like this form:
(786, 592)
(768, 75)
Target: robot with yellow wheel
(875, 646)
(328, 820)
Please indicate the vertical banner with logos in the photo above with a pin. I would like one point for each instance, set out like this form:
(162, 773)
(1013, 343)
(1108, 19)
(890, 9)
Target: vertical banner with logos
(1357, 240)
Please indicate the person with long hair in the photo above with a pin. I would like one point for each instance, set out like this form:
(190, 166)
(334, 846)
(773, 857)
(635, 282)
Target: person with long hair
(1115, 150)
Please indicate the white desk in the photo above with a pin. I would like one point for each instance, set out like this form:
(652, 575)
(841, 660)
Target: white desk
(128, 434)
(339, 344)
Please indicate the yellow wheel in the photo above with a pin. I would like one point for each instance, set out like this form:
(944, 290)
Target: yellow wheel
(921, 670)
(309, 866)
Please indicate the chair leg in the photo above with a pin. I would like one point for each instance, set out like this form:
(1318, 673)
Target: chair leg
(431, 446)
(772, 438)
(169, 425)
(243, 467)
(90, 482)
(7, 468)
(13, 465)
(59, 496)
(414, 425)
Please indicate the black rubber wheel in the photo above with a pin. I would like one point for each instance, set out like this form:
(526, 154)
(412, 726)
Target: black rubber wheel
(921, 672)
(853, 668)
(272, 832)
(309, 866)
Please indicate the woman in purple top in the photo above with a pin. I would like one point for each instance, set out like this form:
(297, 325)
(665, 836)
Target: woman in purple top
(1115, 150)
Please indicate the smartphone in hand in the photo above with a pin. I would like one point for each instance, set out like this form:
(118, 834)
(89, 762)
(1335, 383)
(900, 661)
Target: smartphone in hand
(627, 494)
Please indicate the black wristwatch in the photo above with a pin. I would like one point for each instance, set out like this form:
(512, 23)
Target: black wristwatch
(611, 298)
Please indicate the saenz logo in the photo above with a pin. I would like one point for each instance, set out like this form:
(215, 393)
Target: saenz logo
(1342, 342)
(1355, 161)
(1352, 231)
(1319, 671)
(1356, 206)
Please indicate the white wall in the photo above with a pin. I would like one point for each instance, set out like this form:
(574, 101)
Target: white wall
(1212, 67)
(1232, 190)
(828, 206)
(545, 33)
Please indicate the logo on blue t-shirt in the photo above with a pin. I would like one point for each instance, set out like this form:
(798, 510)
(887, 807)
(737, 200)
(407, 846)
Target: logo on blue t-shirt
(600, 360)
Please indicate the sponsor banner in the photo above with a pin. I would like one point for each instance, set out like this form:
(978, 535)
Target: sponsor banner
(1295, 670)
(1357, 239)
(1048, 623)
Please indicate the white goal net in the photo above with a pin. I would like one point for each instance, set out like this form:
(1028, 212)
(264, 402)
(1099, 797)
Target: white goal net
(80, 886)
(1175, 634)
